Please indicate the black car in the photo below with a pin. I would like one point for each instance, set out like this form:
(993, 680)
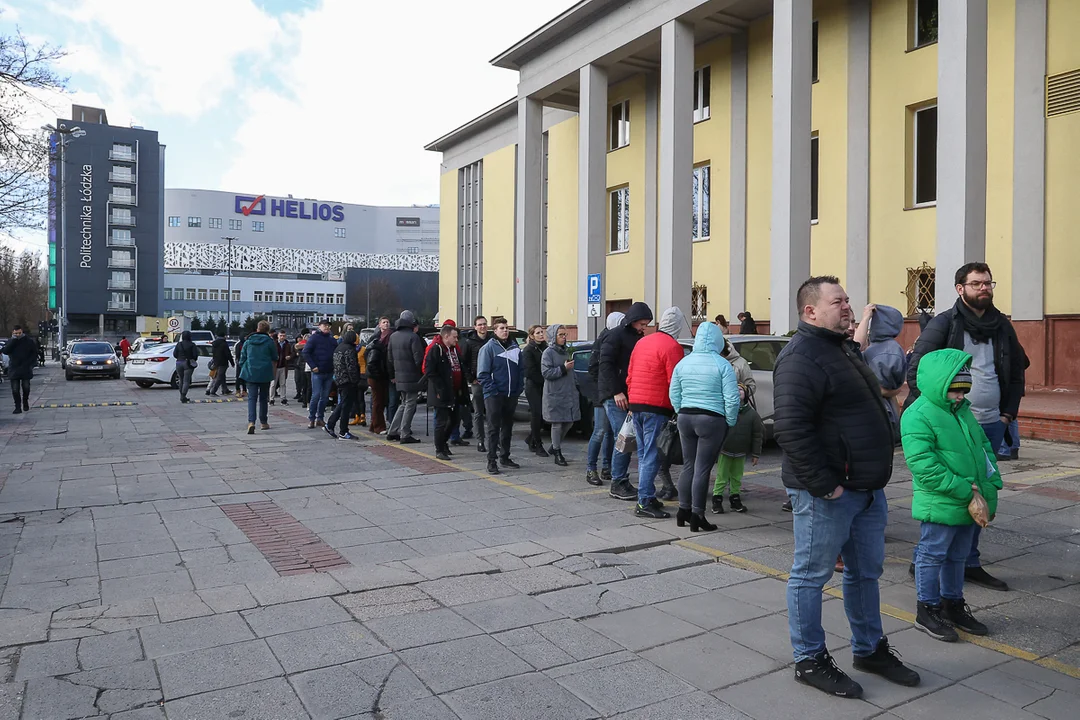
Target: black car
(92, 359)
(580, 353)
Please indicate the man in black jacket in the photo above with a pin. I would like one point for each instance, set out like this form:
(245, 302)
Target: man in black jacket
(838, 454)
(405, 361)
(22, 352)
(472, 343)
(978, 328)
(611, 389)
(223, 360)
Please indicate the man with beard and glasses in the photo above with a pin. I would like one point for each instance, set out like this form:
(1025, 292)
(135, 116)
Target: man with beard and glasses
(978, 328)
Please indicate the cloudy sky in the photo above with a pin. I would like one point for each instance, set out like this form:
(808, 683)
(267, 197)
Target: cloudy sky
(332, 99)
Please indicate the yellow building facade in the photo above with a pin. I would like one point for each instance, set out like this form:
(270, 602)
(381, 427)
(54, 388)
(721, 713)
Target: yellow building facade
(713, 155)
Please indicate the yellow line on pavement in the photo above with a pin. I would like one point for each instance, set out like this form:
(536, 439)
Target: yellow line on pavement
(886, 609)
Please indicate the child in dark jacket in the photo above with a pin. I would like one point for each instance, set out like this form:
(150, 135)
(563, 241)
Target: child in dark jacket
(745, 438)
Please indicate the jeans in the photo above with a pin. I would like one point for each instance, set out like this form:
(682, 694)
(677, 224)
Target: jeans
(346, 405)
(478, 411)
(219, 382)
(647, 427)
(939, 562)
(620, 462)
(500, 416)
(402, 422)
(320, 393)
(702, 436)
(1008, 448)
(184, 374)
(258, 393)
(535, 395)
(995, 433)
(280, 382)
(20, 391)
(852, 525)
(602, 440)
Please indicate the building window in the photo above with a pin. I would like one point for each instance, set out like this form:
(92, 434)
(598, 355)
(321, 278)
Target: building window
(920, 290)
(620, 124)
(168, 293)
(121, 237)
(924, 22)
(194, 222)
(813, 53)
(236, 296)
(339, 232)
(311, 298)
(699, 303)
(213, 296)
(339, 299)
(279, 297)
(258, 296)
(257, 225)
(813, 179)
(619, 220)
(190, 293)
(700, 203)
(290, 298)
(924, 156)
(202, 294)
(321, 298)
(122, 152)
(214, 223)
(702, 88)
(236, 224)
(174, 221)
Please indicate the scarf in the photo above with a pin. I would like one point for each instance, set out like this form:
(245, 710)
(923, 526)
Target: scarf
(981, 329)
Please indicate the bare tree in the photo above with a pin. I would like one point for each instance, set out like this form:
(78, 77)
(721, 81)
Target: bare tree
(23, 292)
(25, 69)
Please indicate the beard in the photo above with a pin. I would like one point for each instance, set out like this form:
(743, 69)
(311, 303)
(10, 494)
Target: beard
(981, 301)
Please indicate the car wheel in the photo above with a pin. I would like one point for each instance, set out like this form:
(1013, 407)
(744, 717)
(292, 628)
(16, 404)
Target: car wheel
(174, 381)
(69, 376)
(144, 384)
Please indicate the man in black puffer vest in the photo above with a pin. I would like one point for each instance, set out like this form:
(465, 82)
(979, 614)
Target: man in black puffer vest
(838, 455)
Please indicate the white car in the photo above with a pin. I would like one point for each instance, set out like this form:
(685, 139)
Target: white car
(156, 365)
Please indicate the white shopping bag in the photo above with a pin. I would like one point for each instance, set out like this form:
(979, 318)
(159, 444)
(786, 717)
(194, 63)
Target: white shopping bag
(626, 441)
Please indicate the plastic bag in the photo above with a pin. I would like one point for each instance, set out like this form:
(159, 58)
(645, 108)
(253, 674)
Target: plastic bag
(670, 444)
(979, 509)
(626, 440)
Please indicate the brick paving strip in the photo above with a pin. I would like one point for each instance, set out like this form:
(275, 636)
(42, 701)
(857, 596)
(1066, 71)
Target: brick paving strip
(421, 464)
(290, 547)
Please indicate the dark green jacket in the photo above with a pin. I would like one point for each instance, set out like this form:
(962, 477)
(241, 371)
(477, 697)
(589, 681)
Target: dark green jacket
(747, 436)
(945, 448)
(258, 358)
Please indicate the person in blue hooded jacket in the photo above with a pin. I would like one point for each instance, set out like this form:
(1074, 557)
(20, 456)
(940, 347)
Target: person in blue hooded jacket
(885, 356)
(498, 370)
(705, 394)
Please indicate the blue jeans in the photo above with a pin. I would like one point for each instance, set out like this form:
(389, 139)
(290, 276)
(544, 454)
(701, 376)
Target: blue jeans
(620, 462)
(602, 440)
(995, 433)
(320, 393)
(853, 526)
(939, 562)
(647, 427)
(258, 398)
(1006, 448)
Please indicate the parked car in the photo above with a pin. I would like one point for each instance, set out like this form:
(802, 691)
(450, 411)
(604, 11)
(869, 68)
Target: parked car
(156, 365)
(143, 343)
(66, 352)
(90, 359)
(580, 352)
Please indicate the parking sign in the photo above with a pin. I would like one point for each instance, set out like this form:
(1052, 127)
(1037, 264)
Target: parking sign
(594, 288)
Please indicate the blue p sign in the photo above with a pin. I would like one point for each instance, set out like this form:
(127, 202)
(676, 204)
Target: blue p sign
(594, 288)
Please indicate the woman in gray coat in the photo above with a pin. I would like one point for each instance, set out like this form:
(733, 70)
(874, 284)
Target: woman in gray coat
(561, 406)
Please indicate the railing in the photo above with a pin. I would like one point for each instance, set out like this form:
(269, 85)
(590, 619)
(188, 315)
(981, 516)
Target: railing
(121, 177)
(122, 199)
(128, 305)
(119, 242)
(121, 262)
(121, 220)
(121, 284)
(122, 155)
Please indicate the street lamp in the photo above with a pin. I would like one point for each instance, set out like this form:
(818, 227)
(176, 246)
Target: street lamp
(228, 293)
(64, 132)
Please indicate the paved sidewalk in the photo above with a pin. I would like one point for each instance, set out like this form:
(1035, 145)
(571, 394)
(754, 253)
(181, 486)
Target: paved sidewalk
(158, 562)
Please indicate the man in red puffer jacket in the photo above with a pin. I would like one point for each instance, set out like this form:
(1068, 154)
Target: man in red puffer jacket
(648, 381)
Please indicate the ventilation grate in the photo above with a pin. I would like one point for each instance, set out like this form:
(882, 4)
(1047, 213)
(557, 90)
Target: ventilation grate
(1063, 93)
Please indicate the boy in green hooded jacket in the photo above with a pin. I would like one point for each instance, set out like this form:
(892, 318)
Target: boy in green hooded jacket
(950, 459)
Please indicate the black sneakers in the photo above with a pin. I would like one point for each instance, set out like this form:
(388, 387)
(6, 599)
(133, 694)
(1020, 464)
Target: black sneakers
(786, 507)
(650, 510)
(593, 478)
(979, 576)
(958, 613)
(622, 490)
(886, 662)
(931, 620)
(821, 673)
(605, 474)
(718, 504)
(508, 463)
(736, 504)
(493, 468)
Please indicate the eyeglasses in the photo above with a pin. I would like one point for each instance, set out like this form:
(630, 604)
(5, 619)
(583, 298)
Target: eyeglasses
(980, 285)
(562, 335)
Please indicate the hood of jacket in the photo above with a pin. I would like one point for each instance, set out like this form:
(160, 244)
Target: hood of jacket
(709, 338)
(729, 351)
(614, 320)
(936, 372)
(185, 336)
(672, 321)
(257, 339)
(637, 311)
(886, 323)
(553, 334)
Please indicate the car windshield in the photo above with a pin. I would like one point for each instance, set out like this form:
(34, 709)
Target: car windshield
(92, 349)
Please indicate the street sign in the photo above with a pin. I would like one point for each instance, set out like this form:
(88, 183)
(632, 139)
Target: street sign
(594, 309)
(594, 290)
(175, 324)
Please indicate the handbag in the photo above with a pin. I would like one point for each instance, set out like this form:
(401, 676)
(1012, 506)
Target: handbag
(626, 440)
(669, 443)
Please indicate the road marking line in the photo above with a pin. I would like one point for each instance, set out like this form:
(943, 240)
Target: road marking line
(886, 609)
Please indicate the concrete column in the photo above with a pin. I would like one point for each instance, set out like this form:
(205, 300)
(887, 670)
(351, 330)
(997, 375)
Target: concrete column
(676, 168)
(592, 190)
(737, 220)
(961, 171)
(792, 38)
(652, 139)
(527, 221)
(857, 277)
(1029, 162)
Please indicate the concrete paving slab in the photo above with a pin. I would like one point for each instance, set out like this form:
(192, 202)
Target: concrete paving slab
(586, 601)
(200, 671)
(623, 687)
(778, 695)
(1009, 688)
(694, 705)
(422, 628)
(187, 635)
(290, 617)
(957, 700)
(462, 663)
(266, 700)
(464, 589)
(525, 697)
(324, 646)
(641, 628)
(506, 613)
(710, 662)
(386, 602)
(711, 610)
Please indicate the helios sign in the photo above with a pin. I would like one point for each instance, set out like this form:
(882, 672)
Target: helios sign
(288, 208)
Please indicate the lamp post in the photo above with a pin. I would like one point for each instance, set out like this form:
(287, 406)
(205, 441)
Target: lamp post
(228, 293)
(64, 133)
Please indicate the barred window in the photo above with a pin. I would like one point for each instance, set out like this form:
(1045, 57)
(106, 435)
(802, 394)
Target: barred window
(920, 290)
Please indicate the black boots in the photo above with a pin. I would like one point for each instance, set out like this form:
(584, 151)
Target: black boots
(958, 613)
(736, 504)
(559, 459)
(593, 478)
(886, 663)
(667, 489)
(932, 621)
(681, 517)
(822, 673)
(698, 523)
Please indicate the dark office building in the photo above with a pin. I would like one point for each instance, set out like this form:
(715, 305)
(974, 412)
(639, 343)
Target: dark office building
(107, 190)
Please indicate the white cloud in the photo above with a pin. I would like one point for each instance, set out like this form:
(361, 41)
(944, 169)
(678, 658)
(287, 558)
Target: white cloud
(370, 83)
